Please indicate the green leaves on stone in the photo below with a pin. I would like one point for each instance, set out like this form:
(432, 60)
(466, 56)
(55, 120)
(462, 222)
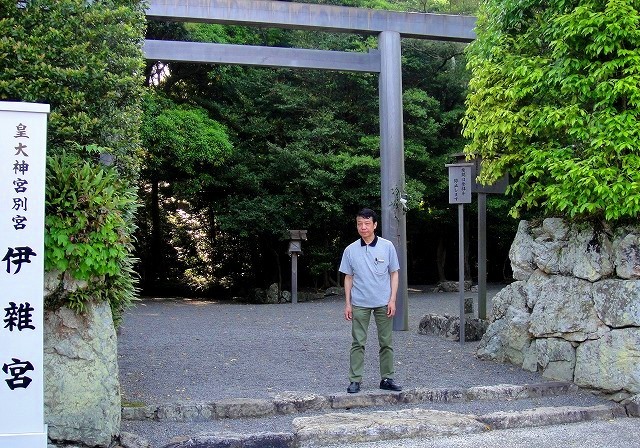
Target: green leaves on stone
(85, 60)
(89, 229)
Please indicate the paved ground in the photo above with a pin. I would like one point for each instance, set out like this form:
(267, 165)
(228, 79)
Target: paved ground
(200, 351)
(181, 350)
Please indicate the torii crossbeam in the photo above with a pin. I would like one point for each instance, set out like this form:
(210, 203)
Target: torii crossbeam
(390, 26)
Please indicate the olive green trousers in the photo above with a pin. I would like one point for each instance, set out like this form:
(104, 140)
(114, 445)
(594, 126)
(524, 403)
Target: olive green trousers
(359, 331)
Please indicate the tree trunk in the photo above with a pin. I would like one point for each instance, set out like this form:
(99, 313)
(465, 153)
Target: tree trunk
(441, 258)
(279, 264)
(156, 262)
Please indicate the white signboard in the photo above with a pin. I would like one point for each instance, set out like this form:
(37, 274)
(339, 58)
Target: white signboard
(23, 132)
(460, 181)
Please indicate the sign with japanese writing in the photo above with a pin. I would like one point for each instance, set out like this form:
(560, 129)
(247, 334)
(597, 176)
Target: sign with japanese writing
(23, 132)
(460, 181)
(498, 187)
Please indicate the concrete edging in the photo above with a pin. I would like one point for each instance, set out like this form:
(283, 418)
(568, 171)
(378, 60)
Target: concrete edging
(383, 425)
(297, 402)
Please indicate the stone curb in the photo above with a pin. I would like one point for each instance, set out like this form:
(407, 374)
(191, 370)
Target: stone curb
(297, 402)
(130, 440)
(389, 425)
(546, 416)
(348, 427)
(232, 440)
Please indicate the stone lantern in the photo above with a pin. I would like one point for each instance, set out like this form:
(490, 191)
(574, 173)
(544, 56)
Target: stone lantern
(295, 248)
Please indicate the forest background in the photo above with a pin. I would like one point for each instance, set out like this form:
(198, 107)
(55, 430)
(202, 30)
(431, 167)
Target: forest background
(236, 156)
(184, 179)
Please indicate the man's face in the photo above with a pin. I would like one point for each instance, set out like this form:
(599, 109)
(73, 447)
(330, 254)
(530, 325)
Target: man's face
(366, 227)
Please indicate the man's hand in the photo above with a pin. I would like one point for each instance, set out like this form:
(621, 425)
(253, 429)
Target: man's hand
(348, 312)
(391, 308)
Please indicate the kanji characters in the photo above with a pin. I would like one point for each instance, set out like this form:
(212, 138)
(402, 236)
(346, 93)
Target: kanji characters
(21, 167)
(17, 370)
(19, 316)
(17, 256)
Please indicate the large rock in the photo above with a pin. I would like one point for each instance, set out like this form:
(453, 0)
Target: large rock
(633, 406)
(449, 327)
(549, 241)
(452, 286)
(538, 282)
(81, 384)
(568, 315)
(521, 253)
(493, 343)
(617, 302)
(627, 255)
(508, 339)
(554, 357)
(565, 309)
(556, 248)
(588, 255)
(512, 295)
(273, 293)
(611, 362)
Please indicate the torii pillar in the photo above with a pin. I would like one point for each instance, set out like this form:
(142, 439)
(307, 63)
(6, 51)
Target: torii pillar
(394, 224)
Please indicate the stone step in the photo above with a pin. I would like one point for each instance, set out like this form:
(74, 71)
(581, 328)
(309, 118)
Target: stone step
(289, 419)
(288, 403)
(344, 428)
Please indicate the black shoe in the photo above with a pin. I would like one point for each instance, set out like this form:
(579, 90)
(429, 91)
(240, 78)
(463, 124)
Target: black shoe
(353, 388)
(388, 384)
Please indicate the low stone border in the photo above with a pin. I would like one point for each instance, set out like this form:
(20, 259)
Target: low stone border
(297, 402)
(232, 440)
(345, 427)
(552, 416)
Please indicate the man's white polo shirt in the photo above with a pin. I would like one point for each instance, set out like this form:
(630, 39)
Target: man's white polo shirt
(370, 265)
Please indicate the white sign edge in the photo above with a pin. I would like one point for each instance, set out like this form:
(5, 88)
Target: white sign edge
(9, 106)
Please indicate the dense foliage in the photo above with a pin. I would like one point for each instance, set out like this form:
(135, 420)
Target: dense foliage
(305, 156)
(85, 60)
(555, 101)
(89, 222)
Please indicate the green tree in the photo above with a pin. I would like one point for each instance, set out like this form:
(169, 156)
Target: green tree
(85, 60)
(306, 151)
(290, 132)
(303, 160)
(182, 145)
(555, 102)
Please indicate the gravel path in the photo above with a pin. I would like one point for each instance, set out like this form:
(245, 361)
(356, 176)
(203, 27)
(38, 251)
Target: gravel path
(197, 351)
(181, 350)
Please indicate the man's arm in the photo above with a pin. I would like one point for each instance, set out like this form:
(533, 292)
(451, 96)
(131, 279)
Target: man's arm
(348, 283)
(391, 306)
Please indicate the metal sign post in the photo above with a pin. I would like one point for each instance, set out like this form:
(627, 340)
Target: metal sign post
(460, 180)
(499, 187)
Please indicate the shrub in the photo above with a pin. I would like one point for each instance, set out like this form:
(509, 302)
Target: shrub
(88, 223)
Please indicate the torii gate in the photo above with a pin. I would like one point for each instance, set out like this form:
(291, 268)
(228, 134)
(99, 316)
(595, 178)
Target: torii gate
(388, 25)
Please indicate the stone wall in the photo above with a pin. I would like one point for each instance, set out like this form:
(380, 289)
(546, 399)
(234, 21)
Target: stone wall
(82, 402)
(573, 312)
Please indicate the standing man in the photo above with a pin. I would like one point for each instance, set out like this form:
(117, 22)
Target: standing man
(371, 266)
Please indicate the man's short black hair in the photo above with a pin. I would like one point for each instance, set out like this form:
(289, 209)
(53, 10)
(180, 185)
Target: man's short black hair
(367, 213)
